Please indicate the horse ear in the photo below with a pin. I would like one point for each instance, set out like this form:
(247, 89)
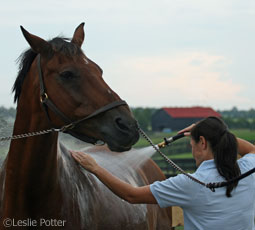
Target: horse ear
(78, 36)
(37, 44)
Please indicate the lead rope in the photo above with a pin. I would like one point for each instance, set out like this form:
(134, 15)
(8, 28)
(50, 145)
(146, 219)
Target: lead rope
(175, 166)
(20, 136)
(32, 134)
(211, 186)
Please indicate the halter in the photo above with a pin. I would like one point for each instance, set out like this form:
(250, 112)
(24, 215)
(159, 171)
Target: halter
(48, 104)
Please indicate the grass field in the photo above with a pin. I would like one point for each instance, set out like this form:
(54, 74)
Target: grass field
(246, 134)
(179, 149)
(179, 228)
(176, 156)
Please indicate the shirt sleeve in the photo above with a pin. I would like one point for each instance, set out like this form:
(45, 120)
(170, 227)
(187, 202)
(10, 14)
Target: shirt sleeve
(247, 161)
(174, 191)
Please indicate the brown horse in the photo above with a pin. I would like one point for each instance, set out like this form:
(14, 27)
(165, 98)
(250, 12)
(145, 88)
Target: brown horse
(41, 186)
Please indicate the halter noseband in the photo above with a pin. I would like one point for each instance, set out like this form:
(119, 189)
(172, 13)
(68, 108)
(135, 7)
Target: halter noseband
(47, 103)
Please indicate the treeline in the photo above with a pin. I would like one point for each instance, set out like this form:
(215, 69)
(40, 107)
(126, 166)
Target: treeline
(239, 119)
(143, 116)
(235, 113)
(235, 119)
(7, 113)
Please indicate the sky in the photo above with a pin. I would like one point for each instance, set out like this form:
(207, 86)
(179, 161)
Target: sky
(165, 53)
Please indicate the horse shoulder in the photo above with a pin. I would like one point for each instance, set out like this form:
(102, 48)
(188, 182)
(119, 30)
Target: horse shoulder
(151, 172)
(162, 217)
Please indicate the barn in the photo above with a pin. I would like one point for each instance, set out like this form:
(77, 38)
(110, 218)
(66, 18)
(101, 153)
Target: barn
(179, 118)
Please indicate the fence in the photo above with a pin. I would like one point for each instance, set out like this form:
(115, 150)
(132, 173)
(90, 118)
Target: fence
(188, 165)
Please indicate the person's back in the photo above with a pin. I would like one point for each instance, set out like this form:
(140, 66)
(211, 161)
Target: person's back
(214, 210)
(215, 151)
(204, 209)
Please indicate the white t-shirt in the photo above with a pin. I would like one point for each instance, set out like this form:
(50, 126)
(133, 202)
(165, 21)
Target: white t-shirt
(207, 210)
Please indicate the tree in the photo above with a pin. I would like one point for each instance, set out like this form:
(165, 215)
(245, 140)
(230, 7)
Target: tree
(143, 116)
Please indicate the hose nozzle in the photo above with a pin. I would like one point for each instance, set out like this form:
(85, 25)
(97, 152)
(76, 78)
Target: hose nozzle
(169, 140)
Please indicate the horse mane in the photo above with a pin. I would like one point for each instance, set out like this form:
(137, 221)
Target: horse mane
(25, 60)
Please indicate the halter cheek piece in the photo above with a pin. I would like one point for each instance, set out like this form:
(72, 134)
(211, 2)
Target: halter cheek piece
(48, 104)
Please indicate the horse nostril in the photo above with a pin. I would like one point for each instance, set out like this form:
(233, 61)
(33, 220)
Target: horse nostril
(121, 124)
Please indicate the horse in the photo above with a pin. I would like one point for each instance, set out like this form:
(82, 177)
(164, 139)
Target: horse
(58, 88)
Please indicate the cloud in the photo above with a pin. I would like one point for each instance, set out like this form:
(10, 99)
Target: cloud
(191, 78)
(115, 28)
(120, 12)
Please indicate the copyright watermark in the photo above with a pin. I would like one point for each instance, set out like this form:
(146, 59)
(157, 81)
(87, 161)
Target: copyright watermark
(11, 222)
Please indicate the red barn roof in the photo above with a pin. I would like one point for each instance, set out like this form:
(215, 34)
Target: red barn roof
(191, 112)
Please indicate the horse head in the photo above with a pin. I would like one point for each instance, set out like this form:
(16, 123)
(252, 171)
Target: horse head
(75, 87)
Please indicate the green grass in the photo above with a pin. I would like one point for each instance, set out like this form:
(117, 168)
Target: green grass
(176, 156)
(179, 228)
(156, 138)
(246, 134)
(181, 149)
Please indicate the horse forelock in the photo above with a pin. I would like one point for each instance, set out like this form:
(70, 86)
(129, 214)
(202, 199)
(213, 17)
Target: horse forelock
(64, 46)
(25, 60)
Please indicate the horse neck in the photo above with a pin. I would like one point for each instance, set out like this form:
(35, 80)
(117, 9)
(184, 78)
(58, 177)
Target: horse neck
(37, 155)
(31, 169)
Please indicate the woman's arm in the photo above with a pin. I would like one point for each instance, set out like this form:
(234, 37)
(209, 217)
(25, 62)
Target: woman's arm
(122, 189)
(187, 130)
(245, 147)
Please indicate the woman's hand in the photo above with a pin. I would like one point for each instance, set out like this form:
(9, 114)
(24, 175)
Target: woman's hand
(122, 189)
(85, 160)
(187, 130)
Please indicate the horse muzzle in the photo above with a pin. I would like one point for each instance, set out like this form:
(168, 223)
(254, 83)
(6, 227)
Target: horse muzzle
(121, 135)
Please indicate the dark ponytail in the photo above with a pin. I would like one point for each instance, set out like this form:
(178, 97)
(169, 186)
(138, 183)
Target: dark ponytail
(223, 145)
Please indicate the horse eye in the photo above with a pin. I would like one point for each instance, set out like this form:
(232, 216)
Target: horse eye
(68, 75)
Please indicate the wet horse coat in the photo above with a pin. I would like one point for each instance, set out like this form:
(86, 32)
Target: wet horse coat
(39, 180)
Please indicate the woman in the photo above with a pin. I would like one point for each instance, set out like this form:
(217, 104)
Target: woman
(215, 150)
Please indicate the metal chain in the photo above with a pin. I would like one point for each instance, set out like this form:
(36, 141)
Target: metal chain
(64, 128)
(175, 166)
(14, 137)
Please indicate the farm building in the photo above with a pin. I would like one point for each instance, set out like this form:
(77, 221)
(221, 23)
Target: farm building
(179, 118)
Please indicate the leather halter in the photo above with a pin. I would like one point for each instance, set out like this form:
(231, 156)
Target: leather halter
(48, 104)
